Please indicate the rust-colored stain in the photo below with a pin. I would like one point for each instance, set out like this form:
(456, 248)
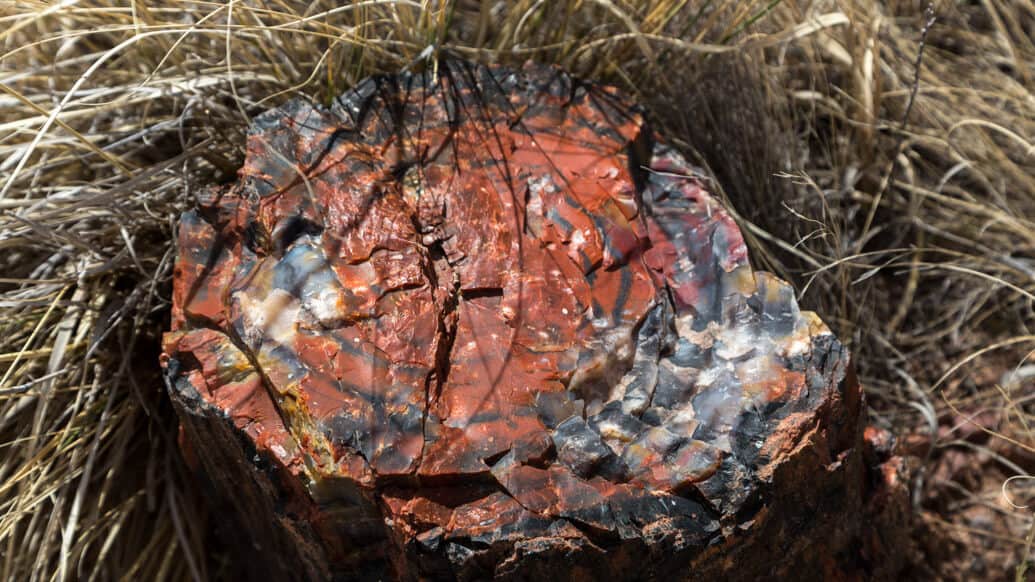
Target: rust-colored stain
(485, 307)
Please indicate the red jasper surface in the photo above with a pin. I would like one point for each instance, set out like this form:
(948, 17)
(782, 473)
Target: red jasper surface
(476, 314)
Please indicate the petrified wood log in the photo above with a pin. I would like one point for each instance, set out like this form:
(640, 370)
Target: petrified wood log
(480, 322)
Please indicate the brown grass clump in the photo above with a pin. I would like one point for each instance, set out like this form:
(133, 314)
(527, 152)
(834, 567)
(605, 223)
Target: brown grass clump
(880, 156)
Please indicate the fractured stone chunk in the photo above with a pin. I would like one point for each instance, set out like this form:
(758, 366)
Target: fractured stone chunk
(478, 322)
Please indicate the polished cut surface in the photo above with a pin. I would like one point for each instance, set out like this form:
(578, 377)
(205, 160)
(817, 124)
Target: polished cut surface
(474, 320)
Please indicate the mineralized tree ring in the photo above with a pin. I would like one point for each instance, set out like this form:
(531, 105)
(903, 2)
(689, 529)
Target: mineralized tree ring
(486, 323)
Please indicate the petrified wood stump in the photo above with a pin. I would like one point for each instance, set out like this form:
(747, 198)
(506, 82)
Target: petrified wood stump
(481, 322)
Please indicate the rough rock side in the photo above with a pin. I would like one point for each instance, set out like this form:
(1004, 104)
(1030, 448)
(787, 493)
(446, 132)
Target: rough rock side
(482, 322)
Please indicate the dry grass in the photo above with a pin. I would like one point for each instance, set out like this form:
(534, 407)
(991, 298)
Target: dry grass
(895, 188)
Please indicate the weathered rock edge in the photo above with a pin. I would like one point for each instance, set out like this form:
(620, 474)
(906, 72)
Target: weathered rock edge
(681, 419)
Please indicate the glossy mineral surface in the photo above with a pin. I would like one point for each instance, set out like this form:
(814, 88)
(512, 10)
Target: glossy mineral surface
(481, 312)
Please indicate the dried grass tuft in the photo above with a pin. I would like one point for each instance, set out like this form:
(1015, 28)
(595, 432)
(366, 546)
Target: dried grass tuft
(880, 156)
